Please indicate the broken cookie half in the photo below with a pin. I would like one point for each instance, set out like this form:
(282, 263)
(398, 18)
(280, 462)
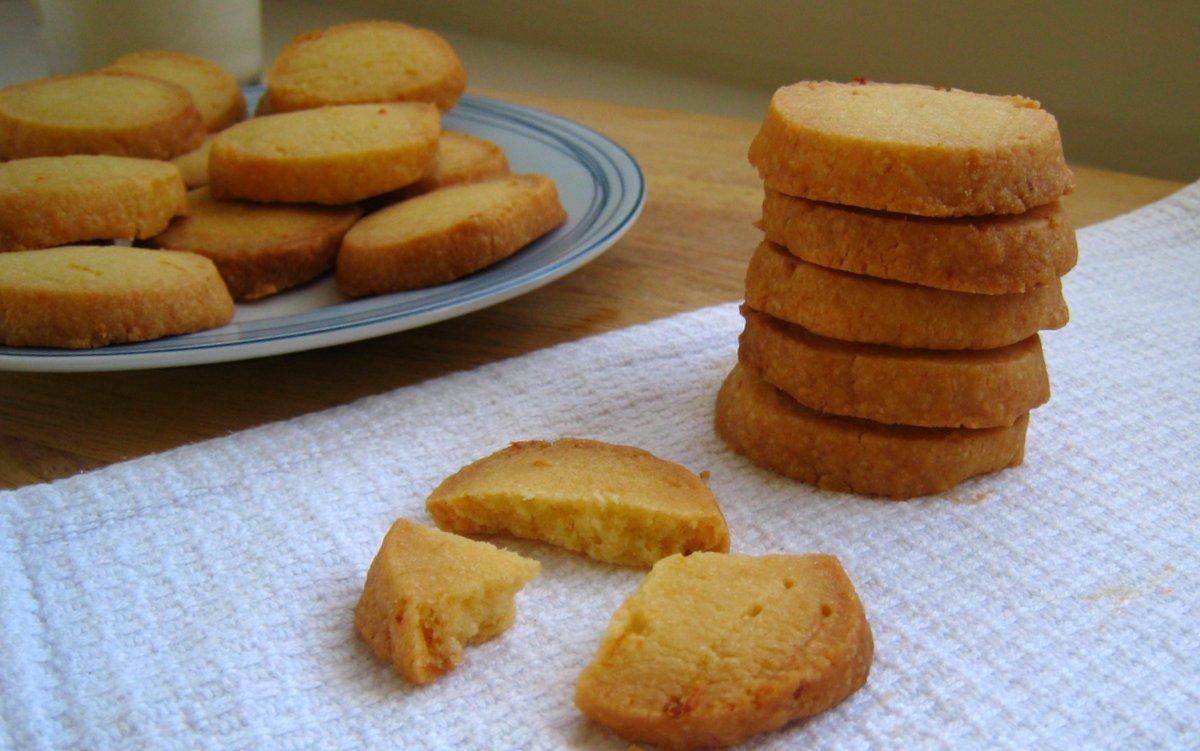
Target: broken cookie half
(713, 648)
(430, 593)
(617, 504)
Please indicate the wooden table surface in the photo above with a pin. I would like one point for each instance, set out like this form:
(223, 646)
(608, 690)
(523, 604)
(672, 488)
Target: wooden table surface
(689, 249)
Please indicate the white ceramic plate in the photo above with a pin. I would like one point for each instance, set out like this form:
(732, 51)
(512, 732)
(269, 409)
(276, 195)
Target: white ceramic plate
(599, 183)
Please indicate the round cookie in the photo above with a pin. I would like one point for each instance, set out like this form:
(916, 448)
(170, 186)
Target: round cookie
(193, 166)
(86, 296)
(55, 200)
(365, 61)
(214, 91)
(879, 311)
(910, 149)
(712, 649)
(985, 255)
(260, 249)
(98, 113)
(331, 155)
(980, 388)
(845, 454)
(460, 159)
(440, 236)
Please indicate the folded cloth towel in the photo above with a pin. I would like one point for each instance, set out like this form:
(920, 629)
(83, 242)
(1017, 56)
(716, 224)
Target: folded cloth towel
(203, 598)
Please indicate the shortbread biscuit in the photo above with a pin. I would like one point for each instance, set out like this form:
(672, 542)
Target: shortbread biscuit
(260, 249)
(460, 159)
(617, 504)
(87, 296)
(980, 388)
(215, 91)
(55, 200)
(331, 155)
(98, 113)
(774, 431)
(365, 61)
(910, 149)
(193, 166)
(429, 594)
(879, 311)
(263, 107)
(446, 234)
(713, 649)
(988, 255)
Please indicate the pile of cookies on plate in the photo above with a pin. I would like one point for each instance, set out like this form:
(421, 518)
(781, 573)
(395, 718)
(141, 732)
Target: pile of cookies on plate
(275, 201)
(914, 245)
(711, 649)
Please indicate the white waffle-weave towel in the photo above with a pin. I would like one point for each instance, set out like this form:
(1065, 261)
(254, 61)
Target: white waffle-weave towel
(202, 598)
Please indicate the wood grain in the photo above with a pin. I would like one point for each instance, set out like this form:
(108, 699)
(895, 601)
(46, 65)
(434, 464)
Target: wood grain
(689, 249)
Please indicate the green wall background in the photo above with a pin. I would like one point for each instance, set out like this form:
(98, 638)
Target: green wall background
(1122, 78)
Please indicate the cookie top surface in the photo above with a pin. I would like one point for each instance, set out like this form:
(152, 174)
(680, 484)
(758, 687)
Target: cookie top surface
(93, 100)
(109, 269)
(910, 149)
(423, 564)
(331, 131)
(441, 209)
(367, 61)
(577, 468)
(215, 91)
(66, 175)
(910, 114)
(712, 648)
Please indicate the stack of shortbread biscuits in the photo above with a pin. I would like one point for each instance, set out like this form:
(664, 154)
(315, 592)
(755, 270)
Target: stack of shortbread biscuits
(914, 244)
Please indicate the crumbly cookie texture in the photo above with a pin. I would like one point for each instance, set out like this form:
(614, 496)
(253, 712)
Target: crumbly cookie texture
(430, 593)
(713, 649)
(776, 432)
(617, 504)
(460, 159)
(193, 165)
(910, 149)
(56, 200)
(214, 91)
(331, 155)
(365, 61)
(88, 296)
(446, 234)
(98, 113)
(260, 249)
(985, 255)
(859, 308)
(980, 388)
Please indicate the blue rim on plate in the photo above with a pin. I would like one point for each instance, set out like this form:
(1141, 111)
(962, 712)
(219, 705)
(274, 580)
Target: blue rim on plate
(600, 184)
